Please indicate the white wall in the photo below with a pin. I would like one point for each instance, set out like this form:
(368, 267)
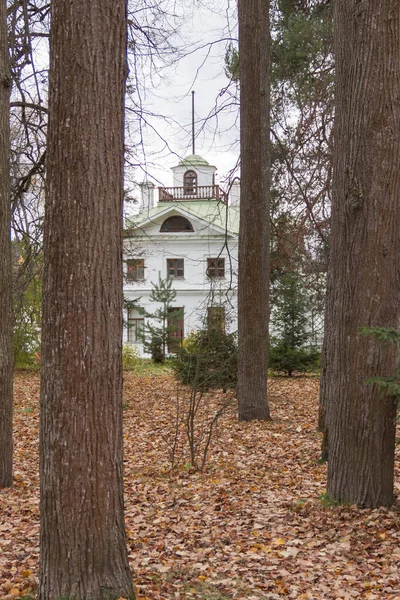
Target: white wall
(195, 291)
(204, 174)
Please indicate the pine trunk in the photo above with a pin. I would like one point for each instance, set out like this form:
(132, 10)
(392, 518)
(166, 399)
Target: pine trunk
(82, 542)
(253, 281)
(6, 332)
(365, 248)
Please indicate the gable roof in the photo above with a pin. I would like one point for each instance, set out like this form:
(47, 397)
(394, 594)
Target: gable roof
(212, 212)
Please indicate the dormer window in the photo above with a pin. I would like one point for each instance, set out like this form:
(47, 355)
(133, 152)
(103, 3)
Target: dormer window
(175, 224)
(190, 183)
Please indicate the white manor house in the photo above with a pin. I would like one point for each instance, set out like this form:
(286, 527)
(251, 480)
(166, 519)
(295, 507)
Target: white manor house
(189, 233)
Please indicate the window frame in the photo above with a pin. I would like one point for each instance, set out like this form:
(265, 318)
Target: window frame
(132, 269)
(172, 265)
(176, 338)
(215, 271)
(190, 183)
(135, 327)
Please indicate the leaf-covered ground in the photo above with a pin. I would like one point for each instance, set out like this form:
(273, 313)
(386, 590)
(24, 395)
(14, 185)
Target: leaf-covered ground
(251, 526)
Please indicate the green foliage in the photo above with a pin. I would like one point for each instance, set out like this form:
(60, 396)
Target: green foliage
(290, 348)
(159, 336)
(232, 63)
(302, 40)
(208, 359)
(289, 306)
(130, 357)
(155, 346)
(383, 334)
(388, 385)
(131, 304)
(283, 358)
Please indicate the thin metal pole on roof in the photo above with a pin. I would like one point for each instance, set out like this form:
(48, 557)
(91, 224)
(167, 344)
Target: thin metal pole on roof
(193, 152)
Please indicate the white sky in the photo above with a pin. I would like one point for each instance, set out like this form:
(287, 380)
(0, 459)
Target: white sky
(169, 96)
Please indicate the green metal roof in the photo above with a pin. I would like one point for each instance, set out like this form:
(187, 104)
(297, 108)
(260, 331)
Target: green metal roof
(193, 160)
(213, 212)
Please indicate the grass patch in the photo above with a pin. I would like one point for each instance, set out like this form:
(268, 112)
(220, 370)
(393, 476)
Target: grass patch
(145, 367)
(27, 410)
(328, 502)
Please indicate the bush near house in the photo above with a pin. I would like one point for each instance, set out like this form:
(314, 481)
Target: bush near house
(207, 360)
(130, 357)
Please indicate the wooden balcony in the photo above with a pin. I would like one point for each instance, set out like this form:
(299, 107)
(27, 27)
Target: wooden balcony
(199, 192)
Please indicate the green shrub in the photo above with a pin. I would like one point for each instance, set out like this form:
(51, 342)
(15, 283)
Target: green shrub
(207, 359)
(130, 357)
(285, 359)
(27, 360)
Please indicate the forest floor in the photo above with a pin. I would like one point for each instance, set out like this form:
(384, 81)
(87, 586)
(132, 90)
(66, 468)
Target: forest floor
(254, 525)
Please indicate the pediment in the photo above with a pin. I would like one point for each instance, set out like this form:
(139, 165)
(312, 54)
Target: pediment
(205, 223)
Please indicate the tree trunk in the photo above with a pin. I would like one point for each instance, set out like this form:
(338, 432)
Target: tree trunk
(365, 249)
(323, 399)
(326, 371)
(82, 542)
(253, 282)
(6, 332)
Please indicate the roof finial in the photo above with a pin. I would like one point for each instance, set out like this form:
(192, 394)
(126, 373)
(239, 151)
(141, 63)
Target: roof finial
(193, 152)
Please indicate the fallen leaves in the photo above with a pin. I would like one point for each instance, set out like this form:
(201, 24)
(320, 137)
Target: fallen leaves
(252, 526)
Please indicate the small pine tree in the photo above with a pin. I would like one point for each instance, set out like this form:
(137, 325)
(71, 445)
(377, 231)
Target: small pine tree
(290, 349)
(158, 336)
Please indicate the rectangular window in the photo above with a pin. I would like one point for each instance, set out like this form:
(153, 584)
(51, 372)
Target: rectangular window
(175, 324)
(215, 267)
(135, 269)
(175, 268)
(216, 318)
(135, 326)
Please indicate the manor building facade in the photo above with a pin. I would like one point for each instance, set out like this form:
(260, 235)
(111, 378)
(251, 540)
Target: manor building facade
(189, 234)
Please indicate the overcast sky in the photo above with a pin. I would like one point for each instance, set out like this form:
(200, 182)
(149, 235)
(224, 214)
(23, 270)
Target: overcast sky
(169, 96)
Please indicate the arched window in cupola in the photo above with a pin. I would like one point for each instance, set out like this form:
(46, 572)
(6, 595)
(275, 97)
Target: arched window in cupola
(190, 183)
(176, 223)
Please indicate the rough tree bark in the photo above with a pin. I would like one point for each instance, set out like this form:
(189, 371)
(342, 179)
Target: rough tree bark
(82, 541)
(253, 281)
(6, 333)
(365, 258)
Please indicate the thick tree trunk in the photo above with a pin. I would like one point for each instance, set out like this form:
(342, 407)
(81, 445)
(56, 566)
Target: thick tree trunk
(6, 333)
(82, 543)
(253, 283)
(365, 258)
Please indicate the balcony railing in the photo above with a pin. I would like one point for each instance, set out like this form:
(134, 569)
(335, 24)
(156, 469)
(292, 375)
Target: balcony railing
(185, 194)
